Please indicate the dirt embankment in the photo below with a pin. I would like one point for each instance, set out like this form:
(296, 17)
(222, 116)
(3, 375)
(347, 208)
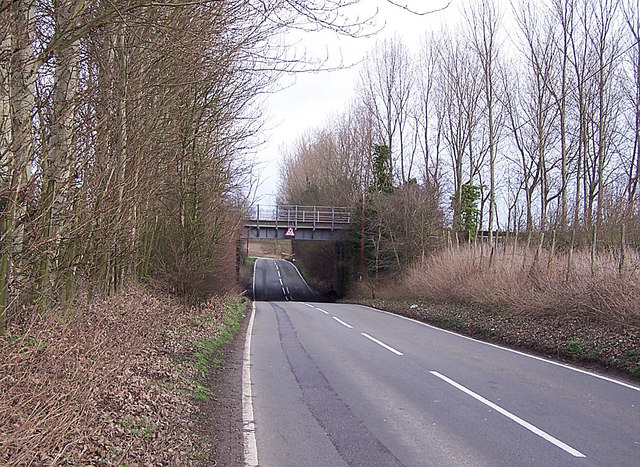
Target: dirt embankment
(120, 380)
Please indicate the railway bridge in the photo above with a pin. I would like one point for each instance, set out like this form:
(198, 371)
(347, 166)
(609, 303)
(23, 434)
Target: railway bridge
(285, 221)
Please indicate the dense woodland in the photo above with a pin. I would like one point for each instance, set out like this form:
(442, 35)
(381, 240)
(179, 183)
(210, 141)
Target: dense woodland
(525, 115)
(126, 130)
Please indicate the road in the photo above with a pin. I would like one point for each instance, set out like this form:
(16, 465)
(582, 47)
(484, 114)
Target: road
(279, 280)
(349, 385)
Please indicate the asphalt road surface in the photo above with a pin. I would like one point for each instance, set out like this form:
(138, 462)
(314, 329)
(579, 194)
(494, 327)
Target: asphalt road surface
(279, 280)
(349, 385)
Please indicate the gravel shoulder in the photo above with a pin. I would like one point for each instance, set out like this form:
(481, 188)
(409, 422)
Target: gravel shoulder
(219, 420)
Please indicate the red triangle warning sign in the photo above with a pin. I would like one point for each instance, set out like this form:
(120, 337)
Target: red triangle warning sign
(290, 233)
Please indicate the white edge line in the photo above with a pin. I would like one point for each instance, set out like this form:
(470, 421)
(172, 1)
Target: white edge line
(342, 322)
(509, 415)
(389, 348)
(535, 357)
(320, 309)
(248, 422)
(298, 271)
(254, 277)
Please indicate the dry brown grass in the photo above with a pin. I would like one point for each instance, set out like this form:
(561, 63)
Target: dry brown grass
(102, 383)
(515, 281)
(518, 301)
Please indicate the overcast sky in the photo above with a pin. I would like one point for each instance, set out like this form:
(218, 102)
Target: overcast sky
(310, 99)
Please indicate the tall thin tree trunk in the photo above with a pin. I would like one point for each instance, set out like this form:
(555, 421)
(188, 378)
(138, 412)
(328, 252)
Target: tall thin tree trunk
(19, 150)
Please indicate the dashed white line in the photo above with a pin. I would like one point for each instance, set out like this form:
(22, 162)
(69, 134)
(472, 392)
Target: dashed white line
(342, 322)
(388, 347)
(506, 349)
(320, 309)
(511, 416)
(248, 422)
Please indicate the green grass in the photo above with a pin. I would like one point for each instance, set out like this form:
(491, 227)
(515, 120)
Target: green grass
(575, 349)
(207, 358)
(24, 344)
(201, 393)
(137, 427)
(201, 455)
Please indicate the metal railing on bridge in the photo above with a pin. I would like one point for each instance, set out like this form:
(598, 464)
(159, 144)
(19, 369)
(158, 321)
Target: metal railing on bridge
(286, 215)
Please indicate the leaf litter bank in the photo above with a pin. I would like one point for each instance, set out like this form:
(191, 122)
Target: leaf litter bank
(119, 381)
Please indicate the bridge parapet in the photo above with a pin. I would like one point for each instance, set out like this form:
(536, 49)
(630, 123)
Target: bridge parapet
(286, 215)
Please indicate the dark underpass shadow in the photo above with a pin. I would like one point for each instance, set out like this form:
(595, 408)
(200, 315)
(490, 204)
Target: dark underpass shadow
(280, 281)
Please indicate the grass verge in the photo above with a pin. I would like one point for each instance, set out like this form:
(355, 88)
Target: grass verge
(207, 350)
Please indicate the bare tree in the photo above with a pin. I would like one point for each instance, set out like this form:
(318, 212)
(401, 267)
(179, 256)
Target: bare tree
(483, 19)
(385, 87)
(124, 128)
(459, 107)
(562, 14)
(17, 151)
(427, 114)
(632, 19)
(538, 108)
(331, 165)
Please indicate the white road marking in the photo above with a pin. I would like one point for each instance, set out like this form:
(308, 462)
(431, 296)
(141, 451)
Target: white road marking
(342, 322)
(389, 348)
(248, 422)
(254, 277)
(535, 357)
(320, 309)
(511, 416)
(300, 274)
(309, 305)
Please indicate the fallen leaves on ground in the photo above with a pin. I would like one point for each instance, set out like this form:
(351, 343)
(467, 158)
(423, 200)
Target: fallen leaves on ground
(104, 382)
